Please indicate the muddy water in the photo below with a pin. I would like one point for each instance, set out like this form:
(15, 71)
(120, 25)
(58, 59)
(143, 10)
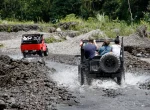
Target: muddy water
(103, 94)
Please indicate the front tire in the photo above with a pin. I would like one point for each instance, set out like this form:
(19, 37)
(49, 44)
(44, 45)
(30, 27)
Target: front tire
(46, 52)
(24, 55)
(87, 77)
(80, 75)
(121, 79)
(41, 53)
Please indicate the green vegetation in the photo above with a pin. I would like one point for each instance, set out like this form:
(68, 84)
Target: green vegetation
(1, 45)
(54, 10)
(113, 17)
(51, 40)
(110, 27)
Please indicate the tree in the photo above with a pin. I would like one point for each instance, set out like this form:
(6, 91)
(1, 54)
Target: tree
(61, 8)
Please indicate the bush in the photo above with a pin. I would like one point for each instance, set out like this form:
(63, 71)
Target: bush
(52, 40)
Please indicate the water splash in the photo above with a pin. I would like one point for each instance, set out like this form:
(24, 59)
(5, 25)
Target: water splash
(67, 75)
(134, 79)
(105, 83)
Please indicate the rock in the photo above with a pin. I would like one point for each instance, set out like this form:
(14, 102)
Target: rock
(139, 55)
(6, 96)
(67, 25)
(11, 101)
(58, 30)
(2, 105)
(52, 29)
(141, 31)
(16, 28)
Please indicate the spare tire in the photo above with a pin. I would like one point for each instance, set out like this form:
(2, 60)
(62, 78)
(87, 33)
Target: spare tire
(109, 63)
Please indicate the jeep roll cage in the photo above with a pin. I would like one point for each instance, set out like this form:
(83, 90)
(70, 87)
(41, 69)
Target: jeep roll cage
(102, 40)
(31, 38)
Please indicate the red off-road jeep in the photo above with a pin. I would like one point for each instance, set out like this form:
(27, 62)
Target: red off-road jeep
(33, 44)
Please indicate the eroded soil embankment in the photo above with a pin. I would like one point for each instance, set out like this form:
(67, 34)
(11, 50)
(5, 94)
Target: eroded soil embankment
(25, 85)
(138, 51)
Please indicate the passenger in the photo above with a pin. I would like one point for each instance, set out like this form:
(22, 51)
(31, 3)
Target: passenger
(105, 48)
(116, 47)
(90, 48)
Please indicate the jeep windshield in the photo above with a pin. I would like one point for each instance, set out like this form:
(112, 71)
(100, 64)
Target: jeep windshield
(32, 39)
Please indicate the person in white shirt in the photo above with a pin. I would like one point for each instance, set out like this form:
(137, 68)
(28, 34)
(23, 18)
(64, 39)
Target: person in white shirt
(116, 47)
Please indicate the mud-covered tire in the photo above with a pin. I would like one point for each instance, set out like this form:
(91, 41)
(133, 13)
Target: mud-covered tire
(121, 79)
(24, 55)
(109, 63)
(80, 75)
(83, 76)
(46, 52)
(41, 53)
(87, 77)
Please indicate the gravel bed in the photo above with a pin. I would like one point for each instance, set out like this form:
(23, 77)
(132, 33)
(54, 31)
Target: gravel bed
(25, 85)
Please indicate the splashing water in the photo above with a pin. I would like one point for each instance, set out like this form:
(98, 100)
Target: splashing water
(67, 75)
(133, 79)
(105, 83)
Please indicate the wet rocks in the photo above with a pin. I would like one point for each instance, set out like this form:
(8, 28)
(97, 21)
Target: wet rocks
(145, 85)
(2, 105)
(26, 86)
(111, 93)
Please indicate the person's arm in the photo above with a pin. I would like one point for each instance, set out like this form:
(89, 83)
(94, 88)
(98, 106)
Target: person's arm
(95, 44)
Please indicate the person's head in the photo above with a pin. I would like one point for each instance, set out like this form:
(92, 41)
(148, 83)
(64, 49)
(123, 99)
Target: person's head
(106, 43)
(91, 40)
(117, 41)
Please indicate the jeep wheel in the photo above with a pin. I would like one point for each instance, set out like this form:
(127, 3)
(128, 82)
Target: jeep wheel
(80, 75)
(87, 77)
(24, 55)
(121, 79)
(41, 53)
(109, 63)
(46, 52)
